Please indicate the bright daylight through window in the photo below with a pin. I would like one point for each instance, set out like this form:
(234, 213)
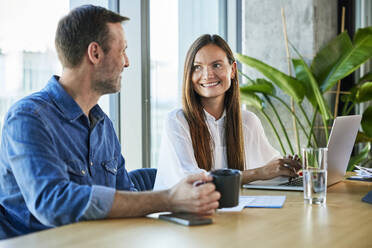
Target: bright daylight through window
(27, 54)
(171, 35)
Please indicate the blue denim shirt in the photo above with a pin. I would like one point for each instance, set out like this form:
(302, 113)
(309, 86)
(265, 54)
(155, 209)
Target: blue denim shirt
(57, 166)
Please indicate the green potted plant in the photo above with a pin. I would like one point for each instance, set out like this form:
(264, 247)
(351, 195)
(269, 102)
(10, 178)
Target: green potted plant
(336, 60)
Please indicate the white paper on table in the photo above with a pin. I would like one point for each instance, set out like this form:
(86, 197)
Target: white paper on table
(241, 205)
(262, 201)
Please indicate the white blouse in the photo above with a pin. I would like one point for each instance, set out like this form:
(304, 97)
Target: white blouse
(176, 155)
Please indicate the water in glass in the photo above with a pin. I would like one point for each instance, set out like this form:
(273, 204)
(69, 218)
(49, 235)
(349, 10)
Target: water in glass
(315, 186)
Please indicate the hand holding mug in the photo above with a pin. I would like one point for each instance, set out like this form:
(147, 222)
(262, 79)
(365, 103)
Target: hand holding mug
(227, 182)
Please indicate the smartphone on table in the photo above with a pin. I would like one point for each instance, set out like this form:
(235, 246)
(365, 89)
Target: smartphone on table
(186, 219)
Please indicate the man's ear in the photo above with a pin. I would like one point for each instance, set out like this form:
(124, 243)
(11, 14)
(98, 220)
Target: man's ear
(95, 52)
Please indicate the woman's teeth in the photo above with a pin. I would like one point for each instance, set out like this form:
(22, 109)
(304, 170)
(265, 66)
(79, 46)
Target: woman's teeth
(210, 84)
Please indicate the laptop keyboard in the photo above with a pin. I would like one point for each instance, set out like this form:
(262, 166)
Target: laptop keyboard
(294, 182)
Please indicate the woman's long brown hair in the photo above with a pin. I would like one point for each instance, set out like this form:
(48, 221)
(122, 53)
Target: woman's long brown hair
(194, 113)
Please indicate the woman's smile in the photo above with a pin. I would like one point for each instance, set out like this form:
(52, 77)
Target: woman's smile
(210, 85)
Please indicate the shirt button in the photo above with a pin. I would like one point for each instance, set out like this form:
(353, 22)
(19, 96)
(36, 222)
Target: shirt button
(83, 172)
(91, 163)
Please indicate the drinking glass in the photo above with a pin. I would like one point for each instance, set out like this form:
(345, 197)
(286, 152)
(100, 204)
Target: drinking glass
(314, 170)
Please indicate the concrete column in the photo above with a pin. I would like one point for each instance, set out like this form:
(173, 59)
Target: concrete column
(310, 25)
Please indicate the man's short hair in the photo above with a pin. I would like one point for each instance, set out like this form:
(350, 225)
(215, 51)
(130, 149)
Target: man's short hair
(79, 28)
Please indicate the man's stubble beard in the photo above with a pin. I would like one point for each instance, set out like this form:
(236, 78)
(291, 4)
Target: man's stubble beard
(107, 86)
(103, 84)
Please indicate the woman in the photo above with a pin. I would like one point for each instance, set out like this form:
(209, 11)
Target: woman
(210, 131)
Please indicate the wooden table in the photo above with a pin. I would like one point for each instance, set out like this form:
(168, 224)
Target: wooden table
(345, 221)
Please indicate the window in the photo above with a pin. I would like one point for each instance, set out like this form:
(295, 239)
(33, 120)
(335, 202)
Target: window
(27, 54)
(171, 35)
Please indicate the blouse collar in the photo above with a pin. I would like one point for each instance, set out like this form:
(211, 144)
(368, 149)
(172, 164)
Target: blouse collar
(210, 117)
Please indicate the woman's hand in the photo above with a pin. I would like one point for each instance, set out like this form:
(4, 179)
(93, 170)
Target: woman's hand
(286, 166)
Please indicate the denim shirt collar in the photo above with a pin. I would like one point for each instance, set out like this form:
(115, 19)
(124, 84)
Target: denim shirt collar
(70, 109)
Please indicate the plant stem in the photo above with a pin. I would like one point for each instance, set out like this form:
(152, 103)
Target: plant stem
(311, 125)
(280, 123)
(295, 129)
(294, 114)
(304, 114)
(339, 81)
(345, 106)
(325, 124)
(350, 108)
(297, 135)
(312, 129)
(276, 132)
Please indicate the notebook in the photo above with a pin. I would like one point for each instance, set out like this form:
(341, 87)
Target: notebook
(340, 145)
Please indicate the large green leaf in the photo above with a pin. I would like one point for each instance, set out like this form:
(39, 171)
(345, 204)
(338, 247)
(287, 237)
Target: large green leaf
(302, 76)
(260, 86)
(267, 84)
(361, 92)
(312, 89)
(351, 59)
(367, 121)
(251, 99)
(363, 155)
(289, 85)
(329, 55)
(364, 92)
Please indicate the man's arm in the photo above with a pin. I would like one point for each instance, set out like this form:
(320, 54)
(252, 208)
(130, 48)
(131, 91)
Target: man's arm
(183, 197)
(54, 200)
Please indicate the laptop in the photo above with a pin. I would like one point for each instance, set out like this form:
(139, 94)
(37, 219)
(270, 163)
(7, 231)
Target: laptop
(340, 145)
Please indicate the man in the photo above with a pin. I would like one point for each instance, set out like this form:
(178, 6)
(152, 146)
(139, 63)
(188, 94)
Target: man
(60, 159)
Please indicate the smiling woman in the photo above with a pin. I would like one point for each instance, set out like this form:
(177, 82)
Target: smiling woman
(210, 60)
(211, 131)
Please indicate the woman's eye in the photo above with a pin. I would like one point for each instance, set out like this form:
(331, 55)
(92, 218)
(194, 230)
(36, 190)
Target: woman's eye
(217, 65)
(196, 67)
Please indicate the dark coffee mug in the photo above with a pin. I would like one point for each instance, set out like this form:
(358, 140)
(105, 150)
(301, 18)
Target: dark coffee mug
(227, 182)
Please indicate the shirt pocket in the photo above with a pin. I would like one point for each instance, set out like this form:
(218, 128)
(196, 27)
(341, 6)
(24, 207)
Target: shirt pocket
(111, 170)
(77, 171)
